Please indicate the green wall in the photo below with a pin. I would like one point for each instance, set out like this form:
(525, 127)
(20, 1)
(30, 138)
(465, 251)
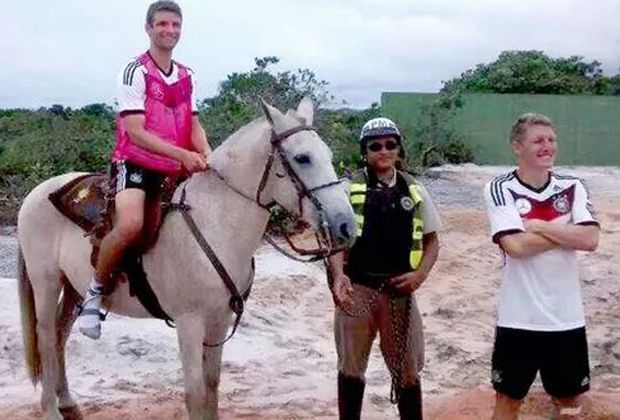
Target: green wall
(588, 127)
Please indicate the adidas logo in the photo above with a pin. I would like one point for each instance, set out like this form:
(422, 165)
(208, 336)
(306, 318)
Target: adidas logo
(585, 381)
(496, 376)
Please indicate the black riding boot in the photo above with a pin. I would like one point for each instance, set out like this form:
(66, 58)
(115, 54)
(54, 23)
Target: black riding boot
(410, 402)
(350, 396)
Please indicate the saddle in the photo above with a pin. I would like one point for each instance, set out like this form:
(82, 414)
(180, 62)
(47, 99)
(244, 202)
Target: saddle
(88, 201)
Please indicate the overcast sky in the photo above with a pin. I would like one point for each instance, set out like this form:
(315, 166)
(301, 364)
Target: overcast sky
(70, 51)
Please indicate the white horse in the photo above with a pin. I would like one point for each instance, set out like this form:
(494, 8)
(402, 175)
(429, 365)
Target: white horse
(276, 159)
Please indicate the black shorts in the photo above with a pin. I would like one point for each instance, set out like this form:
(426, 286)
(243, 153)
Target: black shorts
(124, 175)
(561, 357)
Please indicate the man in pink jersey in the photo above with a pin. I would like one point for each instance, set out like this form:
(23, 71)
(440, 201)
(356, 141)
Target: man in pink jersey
(158, 134)
(540, 219)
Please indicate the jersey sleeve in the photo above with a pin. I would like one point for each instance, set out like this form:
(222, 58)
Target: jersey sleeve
(583, 211)
(503, 215)
(430, 215)
(192, 77)
(131, 89)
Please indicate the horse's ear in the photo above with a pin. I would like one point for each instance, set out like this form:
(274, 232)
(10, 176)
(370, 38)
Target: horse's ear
(305, 109)
(273, 115)
(276, 118)
(265, 106)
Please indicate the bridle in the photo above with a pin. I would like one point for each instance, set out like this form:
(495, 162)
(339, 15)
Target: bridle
(324, 237)
(323, 234)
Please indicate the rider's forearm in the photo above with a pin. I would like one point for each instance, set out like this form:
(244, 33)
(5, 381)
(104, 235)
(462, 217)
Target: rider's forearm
(153, 143)
(199, 137)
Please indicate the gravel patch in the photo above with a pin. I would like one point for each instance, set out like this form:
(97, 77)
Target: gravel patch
(8, 253)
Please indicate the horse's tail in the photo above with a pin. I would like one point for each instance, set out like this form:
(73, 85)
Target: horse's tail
(29, 319)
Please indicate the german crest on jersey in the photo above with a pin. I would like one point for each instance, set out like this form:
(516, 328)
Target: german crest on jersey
(561, 204)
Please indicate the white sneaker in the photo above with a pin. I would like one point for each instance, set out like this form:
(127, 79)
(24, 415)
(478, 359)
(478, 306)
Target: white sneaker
(90, 315)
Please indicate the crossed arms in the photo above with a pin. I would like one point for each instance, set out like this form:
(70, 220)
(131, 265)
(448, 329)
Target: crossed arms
(541, 236)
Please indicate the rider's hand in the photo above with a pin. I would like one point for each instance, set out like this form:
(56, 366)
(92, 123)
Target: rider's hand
(342, 290)
(193, 162)
(408, 282)
(205, 155)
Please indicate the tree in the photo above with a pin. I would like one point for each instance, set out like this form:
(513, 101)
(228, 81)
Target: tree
(532, 72)
(529, 72)
(60, 110)
(340, 130)
(98, 110)
(436, 141)
(611, 85)
(238, 99)
(615, 85)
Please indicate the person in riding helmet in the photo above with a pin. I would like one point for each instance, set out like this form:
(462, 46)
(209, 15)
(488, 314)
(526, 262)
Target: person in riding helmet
(158, 134)
(373, 283)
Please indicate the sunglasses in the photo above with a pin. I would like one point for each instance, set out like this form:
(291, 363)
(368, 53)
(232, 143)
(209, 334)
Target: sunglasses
(376, 146)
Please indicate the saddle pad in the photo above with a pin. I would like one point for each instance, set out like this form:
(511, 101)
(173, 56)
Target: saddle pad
(82, 200)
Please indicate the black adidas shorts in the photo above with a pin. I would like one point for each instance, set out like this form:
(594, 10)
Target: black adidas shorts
(124, 175)
(561, 357)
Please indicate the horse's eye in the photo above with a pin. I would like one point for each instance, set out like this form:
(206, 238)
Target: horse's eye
(302, 159)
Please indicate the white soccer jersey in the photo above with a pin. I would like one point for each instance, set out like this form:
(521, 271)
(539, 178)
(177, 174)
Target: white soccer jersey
(132, 86)
(540, 292)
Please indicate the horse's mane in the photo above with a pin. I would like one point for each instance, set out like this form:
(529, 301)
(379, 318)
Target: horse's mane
(221, 154)
(241, 132)
(235, 137)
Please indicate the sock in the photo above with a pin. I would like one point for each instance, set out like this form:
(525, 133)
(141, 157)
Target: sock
(95, 285)
(93, 295)
(90, 324)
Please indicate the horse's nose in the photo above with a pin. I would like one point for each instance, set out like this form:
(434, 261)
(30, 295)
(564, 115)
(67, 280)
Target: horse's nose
(343, 227)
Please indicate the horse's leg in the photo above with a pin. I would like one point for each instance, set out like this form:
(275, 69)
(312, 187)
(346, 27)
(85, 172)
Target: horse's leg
(211, 365)
(191, 332)
(65, 317)
(46, 286)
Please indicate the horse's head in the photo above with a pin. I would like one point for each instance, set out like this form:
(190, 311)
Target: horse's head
(302, 178)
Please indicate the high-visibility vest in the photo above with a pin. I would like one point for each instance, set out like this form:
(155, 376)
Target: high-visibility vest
(357, 196)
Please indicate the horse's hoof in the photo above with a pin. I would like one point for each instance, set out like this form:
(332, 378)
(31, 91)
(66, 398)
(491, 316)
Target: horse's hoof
(71, 413)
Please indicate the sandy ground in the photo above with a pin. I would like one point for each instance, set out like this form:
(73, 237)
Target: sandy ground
(281, 363)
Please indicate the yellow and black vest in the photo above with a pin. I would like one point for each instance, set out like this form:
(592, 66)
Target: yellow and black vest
(389, 226)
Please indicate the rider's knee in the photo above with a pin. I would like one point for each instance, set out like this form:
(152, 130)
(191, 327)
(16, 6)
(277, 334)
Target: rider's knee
(129, 229)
